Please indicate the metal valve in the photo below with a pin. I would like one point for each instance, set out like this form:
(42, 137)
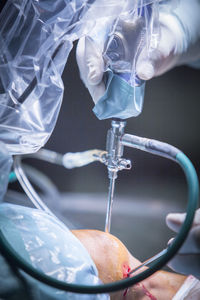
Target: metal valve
(114, 162)
(115, 149)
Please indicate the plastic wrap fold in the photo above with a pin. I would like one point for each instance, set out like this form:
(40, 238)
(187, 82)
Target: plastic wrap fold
(36, 37)
(50, 247)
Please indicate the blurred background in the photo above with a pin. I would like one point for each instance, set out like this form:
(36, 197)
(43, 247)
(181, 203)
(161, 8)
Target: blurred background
(154, 186)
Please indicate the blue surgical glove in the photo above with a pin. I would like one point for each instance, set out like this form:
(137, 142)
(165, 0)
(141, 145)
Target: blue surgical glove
(179, 42)
(187, 261)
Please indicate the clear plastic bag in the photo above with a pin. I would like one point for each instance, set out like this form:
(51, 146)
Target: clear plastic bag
(5, 167)
(35, 40)
(121, 39)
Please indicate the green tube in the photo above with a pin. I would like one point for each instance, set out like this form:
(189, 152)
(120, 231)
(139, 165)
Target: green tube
(12, 177)
(193, 195)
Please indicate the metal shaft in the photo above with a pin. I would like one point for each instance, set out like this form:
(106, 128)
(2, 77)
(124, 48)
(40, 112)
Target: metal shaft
(110, 204)
(114, 162)
(149, 261)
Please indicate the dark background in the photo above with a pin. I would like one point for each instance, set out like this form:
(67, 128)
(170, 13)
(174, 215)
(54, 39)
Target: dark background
(170, 114)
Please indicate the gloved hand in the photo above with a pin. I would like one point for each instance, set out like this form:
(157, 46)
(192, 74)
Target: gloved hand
(179, 44)
(116, 98)
(187, 261)
(179, 40)
(91, 67)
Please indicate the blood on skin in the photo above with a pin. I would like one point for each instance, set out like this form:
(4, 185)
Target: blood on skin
(126, 270)
(147, 293)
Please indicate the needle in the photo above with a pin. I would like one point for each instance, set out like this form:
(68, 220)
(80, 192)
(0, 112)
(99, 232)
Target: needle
(149, 261)
(110, 203)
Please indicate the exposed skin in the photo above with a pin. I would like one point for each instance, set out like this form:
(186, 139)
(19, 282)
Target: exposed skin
(112, 260)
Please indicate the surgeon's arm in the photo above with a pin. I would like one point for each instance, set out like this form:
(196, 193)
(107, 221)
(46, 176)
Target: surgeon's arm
(113, 262)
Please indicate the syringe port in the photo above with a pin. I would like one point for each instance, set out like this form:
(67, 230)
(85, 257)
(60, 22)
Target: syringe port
(124, 164)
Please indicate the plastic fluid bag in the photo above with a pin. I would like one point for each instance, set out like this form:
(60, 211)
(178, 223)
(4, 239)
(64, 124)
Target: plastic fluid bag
(136, 30)
(48, 246)
(35, 40)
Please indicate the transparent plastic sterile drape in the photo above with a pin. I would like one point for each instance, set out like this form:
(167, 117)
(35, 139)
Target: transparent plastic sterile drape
(49, 246)
(36, 37)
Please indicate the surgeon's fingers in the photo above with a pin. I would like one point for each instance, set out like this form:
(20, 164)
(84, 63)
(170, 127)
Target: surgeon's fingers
(157, 61)
(91, 67)
(174, 221)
